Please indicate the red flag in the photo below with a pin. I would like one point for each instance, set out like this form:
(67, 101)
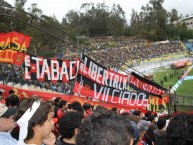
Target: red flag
(18, 58)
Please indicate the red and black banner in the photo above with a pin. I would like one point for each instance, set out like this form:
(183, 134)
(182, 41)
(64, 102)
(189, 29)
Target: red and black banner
(51, 70)
(88, 88)
(101, 75)
(22, 93)
(143, 85)
(15, 41)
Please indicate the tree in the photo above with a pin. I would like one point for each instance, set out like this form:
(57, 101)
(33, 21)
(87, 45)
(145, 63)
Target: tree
(173, 16)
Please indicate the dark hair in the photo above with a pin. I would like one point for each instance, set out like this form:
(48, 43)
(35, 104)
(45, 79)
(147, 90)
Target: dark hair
(68, 123)
(57, 100)
(39, 117)
(180, 130)
(62, 103)
(147, 114)
(23, 105)
(161, 123)
(11, 92)
(12, 100)
(87, 106)
(136, 113)
(105, 127)
(150, 118)
(76, 106)
(114, 109)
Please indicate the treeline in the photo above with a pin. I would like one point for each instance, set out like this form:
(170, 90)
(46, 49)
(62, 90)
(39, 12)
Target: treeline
(153, 22)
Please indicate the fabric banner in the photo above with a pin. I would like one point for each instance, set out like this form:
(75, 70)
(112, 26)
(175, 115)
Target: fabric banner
(12, 57)
(14, 41)
(158, 104)
(101, 75)
(22, 93)
(143, 85)
(88, 88)
(54, 70)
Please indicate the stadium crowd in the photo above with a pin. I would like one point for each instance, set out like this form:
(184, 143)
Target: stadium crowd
(118, 51)
(55, 121)
(28, 121)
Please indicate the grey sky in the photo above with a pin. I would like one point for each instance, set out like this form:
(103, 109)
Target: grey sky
(60, 7)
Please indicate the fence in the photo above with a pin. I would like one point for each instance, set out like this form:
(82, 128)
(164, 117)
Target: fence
(182, 103)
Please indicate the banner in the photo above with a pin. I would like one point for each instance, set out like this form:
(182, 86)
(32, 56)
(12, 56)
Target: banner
(143, 85)
(22, 93)
(14, 41)
(101, 75)
(54, 70)
(158, 104)
(88, 88)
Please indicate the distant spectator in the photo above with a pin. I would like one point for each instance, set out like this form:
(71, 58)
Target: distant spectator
(151, 128)
(160, 133)
(58, 113)
(12, 101)
(63, 105)
(87, 109)
(1, 95)
(137, 113)
(76, 106)
(143, 127)
(114, 109)
(11, 92)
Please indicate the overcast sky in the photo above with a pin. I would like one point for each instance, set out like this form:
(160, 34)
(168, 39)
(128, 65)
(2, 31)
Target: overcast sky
(60, 7)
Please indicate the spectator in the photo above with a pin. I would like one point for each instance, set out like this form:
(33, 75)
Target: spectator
(160, 133)
(12, 101)
(36, 123)
(104, 127)
(143, 127)
(179, 130)
(76, 106)
(6, 125)
(151, 128)
(63, 105)
(1, 95)
(87, 109)
(11, 92)
(58, 113)
(68, 128)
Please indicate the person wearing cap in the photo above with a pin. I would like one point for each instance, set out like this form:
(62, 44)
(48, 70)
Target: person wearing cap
(6, 125)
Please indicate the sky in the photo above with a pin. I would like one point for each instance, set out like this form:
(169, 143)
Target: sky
(60, 7)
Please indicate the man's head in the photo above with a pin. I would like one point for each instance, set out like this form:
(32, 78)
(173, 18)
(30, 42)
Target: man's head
(57, 100)
(76, 106)
(6, 118)
(69, 124)
(179, 130)
(12, 100)
(11, 92)
(161, 123)
(105, 127)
